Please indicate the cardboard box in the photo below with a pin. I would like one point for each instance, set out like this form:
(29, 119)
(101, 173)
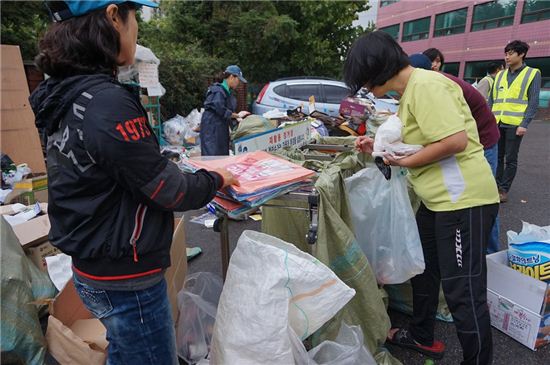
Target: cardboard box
(519, 305)
(38, 254)
(27, 197)
(175, 275)
(73, 335)
(33, 231)
(33, 182)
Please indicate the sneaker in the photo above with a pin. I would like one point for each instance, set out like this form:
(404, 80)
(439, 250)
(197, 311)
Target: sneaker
(403, 338)
(503, 196)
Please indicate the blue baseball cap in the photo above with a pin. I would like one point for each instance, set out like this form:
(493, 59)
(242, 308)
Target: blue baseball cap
(236, 70)
(420, 60)
(63, 10)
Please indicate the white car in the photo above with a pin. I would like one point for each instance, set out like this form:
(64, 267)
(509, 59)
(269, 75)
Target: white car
(289, 93)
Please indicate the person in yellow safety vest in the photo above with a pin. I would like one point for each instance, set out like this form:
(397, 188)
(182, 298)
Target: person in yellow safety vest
(485, 85)
(514, 101)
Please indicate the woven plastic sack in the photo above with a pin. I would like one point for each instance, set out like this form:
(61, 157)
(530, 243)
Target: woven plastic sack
(197, 303)
(384, 225)
(274, 297)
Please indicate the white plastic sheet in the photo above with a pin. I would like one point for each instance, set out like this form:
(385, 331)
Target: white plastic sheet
(274, 296)
(384, 225)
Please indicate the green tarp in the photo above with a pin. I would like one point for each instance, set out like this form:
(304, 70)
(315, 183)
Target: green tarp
(23, 283)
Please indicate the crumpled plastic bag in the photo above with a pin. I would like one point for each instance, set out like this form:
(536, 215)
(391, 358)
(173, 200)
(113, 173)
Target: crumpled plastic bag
(347, 349)
(384, 225)
(198, 303)
(388, 141)
(179, 130)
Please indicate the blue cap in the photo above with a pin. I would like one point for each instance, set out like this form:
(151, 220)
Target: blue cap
(236, 70)
(63, 10)
(420, 60)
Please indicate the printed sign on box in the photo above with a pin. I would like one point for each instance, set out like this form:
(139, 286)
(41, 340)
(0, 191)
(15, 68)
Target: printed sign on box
(295, 135)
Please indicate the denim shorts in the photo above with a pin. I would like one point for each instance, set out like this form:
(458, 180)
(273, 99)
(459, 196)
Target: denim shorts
(139, 324)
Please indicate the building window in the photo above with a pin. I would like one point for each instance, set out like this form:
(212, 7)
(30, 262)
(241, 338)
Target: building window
(495, 14)
(416, 29)
(451, 68)
(387, 2)
(392, 30)
(453, 22)
(475, 71)
(535, 10)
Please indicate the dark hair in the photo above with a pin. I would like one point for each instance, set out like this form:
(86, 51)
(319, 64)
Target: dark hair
(372, 60)
(517, 46)
(433, 53)
(220, 76)
(87, 44)
(494, 67)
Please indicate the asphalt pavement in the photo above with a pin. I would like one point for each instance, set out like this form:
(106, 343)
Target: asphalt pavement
(529, 201)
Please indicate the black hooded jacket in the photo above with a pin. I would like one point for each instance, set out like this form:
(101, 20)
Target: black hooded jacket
(111, 192)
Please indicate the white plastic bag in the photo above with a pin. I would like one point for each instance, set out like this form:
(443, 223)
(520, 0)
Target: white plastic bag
(384, 224)
(274, 297)
(197, 303)
(347, 349)
(387, 140)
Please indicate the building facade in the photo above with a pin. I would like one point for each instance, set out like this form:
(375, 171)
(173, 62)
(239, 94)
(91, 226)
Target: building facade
(470, 34)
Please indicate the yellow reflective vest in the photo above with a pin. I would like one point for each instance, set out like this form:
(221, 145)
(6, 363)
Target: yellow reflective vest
(510, 101)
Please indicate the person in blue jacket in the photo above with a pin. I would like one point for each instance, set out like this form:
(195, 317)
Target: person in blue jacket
(219, 109)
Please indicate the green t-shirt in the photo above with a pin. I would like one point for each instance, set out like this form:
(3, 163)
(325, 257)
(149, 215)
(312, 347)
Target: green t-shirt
(432, 108)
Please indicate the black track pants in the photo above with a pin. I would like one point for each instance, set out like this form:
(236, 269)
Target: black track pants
(454, 245)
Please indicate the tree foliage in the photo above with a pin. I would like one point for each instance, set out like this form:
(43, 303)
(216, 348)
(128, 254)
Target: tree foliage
(22, 24)
(268, 39)
(196, 39)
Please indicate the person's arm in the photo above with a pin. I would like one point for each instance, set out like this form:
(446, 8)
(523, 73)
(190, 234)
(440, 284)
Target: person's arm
(533, 93)
(121, 142)
(433, 152)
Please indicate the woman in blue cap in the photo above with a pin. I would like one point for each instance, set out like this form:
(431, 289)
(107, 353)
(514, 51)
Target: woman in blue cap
(219, 109)
(111, 193)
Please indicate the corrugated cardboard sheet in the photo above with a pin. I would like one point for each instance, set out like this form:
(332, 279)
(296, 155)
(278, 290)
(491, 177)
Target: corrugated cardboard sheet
(19, 137)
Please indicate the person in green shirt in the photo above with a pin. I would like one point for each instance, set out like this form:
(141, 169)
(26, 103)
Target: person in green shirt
(455, 184)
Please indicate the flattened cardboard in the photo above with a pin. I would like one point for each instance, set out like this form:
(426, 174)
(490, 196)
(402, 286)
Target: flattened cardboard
(19, 136)
(175, 275)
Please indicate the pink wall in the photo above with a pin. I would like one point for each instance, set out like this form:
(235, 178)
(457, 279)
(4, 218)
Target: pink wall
(476, 46)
